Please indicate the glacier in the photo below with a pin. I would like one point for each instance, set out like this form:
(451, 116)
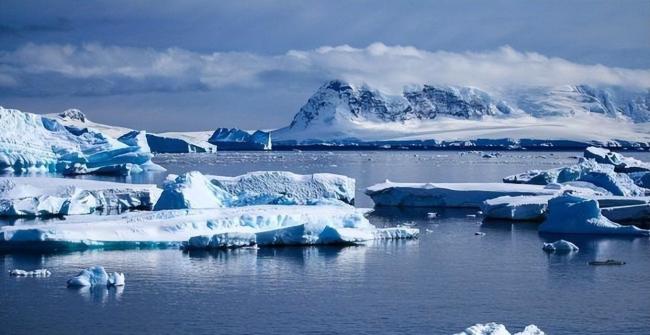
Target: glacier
(195, 190)
(33, 143)
(237, 139)
(49, 196)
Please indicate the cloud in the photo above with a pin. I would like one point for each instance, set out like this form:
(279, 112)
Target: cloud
(95, 69)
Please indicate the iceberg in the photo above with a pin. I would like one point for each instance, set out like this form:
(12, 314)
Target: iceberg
(570, 214)
(33, 143)
(237, 139)
(516, 208)
(40, 196)
(470, 195)
(195, 190)
(493, 328)
(620, 162)
(116, 279)
(32, 273)
(92, 276)
(180, 143)
(172, 227)
(560, 246)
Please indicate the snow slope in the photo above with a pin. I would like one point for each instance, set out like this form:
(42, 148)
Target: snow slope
(339, 113)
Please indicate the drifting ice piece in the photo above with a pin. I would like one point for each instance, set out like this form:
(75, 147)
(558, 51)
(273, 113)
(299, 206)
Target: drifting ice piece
(30, 142)
(92, 276)
(498, 329)
(516, 208)
(135, 229)
(194, 190)
(620, 162)
(237, 139)
(282, 187)
(36, 196)
(33, 273)
(116, 279)
(470, 195)
(560, 246)
(577, 215)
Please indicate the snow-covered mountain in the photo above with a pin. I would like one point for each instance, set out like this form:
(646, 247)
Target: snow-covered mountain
(340, 113)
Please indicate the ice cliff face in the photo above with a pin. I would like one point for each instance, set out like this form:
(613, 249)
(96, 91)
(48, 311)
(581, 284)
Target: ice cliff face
(30, 142)
(338, 101)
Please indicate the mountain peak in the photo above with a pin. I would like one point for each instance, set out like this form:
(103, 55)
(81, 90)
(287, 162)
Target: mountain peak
(73, 114)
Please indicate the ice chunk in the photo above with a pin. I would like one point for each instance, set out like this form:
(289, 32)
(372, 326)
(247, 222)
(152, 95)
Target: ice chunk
(221, 241)
(447, 194)
(493, 328)
(180, 143)
(620, 162)
(32, 273)
(192, 190)
(602, 176)
(635, 213)
(282, 187)
(560, 246)
(36, 196)
(135, 229)
(92, 276)
(516, 208)
(116, 279)
(30, 142)
(237, 139)
(572, 214)
(397, 233)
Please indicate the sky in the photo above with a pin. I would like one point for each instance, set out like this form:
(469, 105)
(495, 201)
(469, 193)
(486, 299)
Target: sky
(199, 64)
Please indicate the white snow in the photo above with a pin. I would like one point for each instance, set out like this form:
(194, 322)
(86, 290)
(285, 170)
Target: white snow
(30, 142)
(493, 328)
(570, 214)
(516, 208)
(448, 194)
(195, 190)
(116, 279)
(32, 273)
(560, 246)
(45, 196)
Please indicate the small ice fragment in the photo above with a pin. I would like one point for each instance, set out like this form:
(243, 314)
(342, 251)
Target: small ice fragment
(479, 233)
(33, 273)
(471, 215)
(116, 279)
(432, 215)
(560, 246)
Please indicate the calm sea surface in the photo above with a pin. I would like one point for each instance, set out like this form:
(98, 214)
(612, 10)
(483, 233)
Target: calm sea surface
(440, 284)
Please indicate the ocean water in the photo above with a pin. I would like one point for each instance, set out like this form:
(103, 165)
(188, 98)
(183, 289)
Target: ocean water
(443, 282)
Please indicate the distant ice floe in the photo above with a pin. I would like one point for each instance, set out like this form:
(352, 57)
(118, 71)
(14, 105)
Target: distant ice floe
(34, 143)
(560, 246)
(32, 273)
(96, 276)
(40, 196)
(195, 190)
(493, 328)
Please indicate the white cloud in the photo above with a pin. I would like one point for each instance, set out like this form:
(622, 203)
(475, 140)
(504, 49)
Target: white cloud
(386, 67)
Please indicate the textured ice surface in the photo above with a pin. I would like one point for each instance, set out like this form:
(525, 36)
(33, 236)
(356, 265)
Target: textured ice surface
(30, 142)
(572, 214)
(447, 194)
(195, 190)
(560, 246)
(493, 328)
(516, 208)
(41, 196)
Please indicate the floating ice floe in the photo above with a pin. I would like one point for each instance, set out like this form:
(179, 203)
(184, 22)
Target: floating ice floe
(560, 246)
(171, 227)
(572, 214)
(493, 328)
(30, 142)
(32, 273)
(620, 162)
(96, 276)
(448, 194)
(40, 196)
(195, 190)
